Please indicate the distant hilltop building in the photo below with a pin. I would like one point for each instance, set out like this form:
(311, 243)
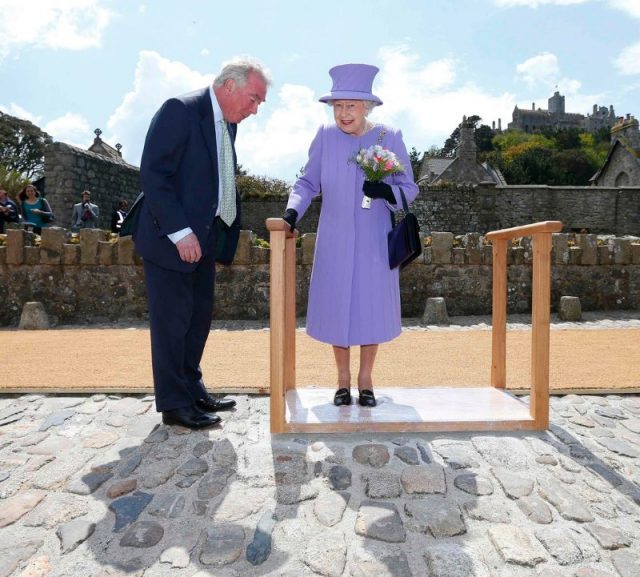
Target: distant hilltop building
(622, 166)
(464, 168)
(556, 117)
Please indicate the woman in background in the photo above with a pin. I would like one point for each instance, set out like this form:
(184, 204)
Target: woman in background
(36, 212)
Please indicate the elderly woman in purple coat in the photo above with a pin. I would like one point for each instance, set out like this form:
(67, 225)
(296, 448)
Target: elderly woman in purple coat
(354, 297)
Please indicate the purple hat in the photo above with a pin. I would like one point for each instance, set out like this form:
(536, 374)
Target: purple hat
(352, 82)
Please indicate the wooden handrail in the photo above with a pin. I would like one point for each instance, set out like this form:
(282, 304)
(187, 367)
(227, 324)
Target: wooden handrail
(282, 313)
(540, 305)
(277, 224)
(525, 230)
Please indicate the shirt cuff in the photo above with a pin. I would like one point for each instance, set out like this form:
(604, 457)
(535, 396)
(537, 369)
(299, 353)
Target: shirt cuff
(174, 237)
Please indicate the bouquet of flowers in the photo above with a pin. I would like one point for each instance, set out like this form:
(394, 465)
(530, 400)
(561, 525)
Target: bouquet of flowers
(378, 162)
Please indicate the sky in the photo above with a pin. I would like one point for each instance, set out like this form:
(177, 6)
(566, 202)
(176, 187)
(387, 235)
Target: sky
(71, 66)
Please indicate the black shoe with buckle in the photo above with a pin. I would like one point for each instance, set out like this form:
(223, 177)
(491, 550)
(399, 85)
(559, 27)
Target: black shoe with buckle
(367, 399)
(212, 405)
(342, 397)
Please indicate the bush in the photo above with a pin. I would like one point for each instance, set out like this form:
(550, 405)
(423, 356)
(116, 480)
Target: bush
(262, 187)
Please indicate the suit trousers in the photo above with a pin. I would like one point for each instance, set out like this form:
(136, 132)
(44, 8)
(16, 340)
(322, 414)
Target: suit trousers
(180, 311)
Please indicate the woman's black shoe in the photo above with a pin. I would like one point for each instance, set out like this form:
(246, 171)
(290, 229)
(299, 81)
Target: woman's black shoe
(366, 398)
(342, 397)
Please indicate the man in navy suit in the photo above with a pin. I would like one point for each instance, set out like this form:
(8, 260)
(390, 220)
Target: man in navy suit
(183, 226)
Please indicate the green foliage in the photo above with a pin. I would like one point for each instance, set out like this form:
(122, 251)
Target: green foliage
(250, 186)
(22, 146)
(12, 181)
(552, 157)
(414, 158)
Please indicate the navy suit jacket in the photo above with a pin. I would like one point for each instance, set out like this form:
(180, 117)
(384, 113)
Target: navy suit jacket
(179, 178)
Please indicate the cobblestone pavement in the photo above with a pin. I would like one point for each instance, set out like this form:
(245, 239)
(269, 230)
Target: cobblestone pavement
(94, 486)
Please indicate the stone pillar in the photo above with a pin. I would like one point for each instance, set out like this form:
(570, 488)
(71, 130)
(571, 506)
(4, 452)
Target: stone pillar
(15, 246)
(52, 245)
(435, 312)
(589, 245)
(125, 250)
(570, 309)
(308, 247)
(441, 247)
(89, 239)
(33, 316)
(243, 252)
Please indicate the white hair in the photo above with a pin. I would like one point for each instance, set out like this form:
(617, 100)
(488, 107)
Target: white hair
(369, 105)
(238, 70)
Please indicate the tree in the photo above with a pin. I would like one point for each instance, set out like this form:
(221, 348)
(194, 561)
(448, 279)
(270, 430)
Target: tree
(414, 159)
(11, 181)
(452, 143)
(484, 138)
(22, 146)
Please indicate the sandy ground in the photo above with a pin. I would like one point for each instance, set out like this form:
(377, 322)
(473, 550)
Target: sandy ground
(118, 360)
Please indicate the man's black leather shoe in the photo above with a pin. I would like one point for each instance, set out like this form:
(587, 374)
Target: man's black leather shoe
(212, 404)
(189, 417)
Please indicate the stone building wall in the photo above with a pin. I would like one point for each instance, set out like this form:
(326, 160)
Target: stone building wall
(70, 170)
(485, 207)
(101, 281)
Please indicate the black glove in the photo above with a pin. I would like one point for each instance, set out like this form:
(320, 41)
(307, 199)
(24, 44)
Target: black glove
(290, 216)
(378, 190)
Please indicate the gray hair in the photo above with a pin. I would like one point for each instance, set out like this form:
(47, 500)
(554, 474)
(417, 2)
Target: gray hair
(238, 70)
(369, 105)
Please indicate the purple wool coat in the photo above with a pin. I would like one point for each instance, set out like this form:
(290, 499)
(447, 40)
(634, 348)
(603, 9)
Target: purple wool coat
(354, 298)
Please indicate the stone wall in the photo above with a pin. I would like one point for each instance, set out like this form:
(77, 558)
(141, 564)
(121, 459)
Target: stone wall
(486, 207)
(70, 170)
(256, 210)
(99, 280)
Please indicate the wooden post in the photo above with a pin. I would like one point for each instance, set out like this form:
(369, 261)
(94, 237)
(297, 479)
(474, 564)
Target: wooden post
(289, 313)
(499, 316)
(541, 298)
(282, 358)
(540, 289)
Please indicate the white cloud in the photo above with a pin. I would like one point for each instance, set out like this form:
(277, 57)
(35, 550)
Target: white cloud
(631, 7)
(16, 110)
(628, 62)
(425, 100)
(275, 142)
(536, 3)
(71, 128)
(540, 69)
(65, 24)
(156, 79)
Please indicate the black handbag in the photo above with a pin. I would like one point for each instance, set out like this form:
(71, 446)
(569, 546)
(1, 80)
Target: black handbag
(404, 238)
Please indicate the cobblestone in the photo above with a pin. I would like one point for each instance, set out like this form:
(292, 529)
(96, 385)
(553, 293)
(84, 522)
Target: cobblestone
(122, 494)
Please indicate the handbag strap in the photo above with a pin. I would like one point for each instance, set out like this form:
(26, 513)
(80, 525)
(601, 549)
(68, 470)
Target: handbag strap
(405, 207)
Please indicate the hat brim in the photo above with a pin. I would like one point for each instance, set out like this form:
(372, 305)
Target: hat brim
(350, 95)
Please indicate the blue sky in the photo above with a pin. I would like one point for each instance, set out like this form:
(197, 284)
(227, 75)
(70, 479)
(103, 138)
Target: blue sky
(71, 66)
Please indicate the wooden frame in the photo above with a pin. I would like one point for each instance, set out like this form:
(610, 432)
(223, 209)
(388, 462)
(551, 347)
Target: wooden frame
(413, 410)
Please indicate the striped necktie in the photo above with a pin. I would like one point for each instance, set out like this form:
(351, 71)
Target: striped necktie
(227, 174)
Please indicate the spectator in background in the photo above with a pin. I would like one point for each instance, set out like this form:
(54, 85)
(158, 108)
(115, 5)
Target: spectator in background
(8, 210)
(85, 213)
(118, 216)
(36, 212)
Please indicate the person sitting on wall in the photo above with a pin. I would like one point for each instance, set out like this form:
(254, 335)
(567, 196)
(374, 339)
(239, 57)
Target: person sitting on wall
(85, 214)
(118, 216)
(8, 210)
